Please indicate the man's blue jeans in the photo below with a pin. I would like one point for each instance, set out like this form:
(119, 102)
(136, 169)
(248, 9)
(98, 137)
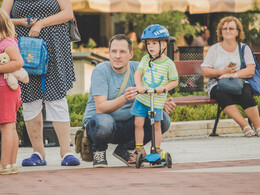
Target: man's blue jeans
(102, 129)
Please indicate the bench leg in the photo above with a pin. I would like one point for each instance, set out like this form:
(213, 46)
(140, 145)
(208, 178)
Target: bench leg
(250, 123)
(216, 123)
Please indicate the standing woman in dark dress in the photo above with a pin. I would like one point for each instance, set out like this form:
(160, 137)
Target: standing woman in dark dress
(49, 24)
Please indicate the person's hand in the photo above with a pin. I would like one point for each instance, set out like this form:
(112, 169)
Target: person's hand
(23, 22)
(227, 76)
(160, 89)
(35, 30)
(141, 90)
(169, 105)
(228, 69)
(130, 93)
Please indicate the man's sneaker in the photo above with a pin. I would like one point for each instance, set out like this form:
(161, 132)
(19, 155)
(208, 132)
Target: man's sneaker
(133, 157)
(35, 160)
(14, 168)
(7, 170)
(99, 160)
(69, 160)
(122, 155)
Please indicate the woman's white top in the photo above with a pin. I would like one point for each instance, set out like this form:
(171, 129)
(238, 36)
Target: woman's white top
(218, 58)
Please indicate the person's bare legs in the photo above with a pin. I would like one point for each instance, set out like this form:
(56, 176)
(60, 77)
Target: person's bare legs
(35, 131)
(139, 129)
(253, 115)
(158, 133)
(234, 113)
(10, 143)
(62, 130)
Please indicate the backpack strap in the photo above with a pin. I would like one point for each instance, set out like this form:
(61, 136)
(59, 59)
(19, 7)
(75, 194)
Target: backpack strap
(43, 83)
(242, 61)
(243, 56)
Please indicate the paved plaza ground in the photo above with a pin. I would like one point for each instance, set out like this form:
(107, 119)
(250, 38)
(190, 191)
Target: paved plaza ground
(201, 165)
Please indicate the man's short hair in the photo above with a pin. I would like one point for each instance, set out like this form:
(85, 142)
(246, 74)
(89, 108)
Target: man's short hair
(122, 37)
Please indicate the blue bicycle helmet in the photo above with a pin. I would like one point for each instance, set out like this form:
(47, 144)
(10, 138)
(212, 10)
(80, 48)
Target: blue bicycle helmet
(155, 31)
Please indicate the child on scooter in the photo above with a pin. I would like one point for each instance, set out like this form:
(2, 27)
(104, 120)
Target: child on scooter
(155, 71)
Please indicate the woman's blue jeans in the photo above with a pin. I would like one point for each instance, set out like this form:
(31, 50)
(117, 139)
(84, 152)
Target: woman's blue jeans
(102, 129)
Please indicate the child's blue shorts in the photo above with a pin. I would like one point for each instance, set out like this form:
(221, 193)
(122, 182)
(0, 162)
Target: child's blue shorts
(141, 110)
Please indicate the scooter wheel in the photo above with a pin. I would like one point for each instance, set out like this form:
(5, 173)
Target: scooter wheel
(138, 162)
(168, 160)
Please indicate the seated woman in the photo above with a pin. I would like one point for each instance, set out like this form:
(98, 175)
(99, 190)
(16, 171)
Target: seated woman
(216, 65)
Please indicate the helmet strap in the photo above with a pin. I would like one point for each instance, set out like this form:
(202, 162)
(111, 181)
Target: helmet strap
(151, 57)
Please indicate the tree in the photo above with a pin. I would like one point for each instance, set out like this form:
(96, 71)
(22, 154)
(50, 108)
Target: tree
(176, 22)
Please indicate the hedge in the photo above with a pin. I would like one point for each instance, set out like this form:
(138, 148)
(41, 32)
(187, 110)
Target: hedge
(77, 104)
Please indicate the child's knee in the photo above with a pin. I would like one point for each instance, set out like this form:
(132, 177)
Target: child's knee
(139, 121)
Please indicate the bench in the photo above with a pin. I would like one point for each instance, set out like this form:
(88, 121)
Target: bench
(185, 68)
(193, 68)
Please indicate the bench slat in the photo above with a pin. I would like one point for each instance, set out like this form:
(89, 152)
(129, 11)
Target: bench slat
(193, 100)
(189, 67)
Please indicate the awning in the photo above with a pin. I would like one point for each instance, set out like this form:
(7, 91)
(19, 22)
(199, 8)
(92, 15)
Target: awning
(118, 6)
(157, 6)
(209, 6)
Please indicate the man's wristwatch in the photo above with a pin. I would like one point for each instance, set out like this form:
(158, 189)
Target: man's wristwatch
(235, 75)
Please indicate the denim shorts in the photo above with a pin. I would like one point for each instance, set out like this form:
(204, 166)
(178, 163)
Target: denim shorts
(142, 110)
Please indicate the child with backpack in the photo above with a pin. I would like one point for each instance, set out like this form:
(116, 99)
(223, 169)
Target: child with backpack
(10, 99)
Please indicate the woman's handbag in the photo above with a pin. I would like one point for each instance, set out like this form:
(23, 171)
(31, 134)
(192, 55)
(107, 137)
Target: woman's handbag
(73, 30)
(232, 85)
(254, 81)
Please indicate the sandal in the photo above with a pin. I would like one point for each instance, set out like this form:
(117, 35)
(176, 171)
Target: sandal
(248, 131)
(35, 160)
(258, 132)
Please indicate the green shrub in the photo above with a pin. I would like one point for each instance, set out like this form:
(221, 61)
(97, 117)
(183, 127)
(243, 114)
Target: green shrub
(77, 105)
(20, 125)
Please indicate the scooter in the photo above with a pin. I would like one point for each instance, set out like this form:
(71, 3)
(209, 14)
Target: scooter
(153, 158)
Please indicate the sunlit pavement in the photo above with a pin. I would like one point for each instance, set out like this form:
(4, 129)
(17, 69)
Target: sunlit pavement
(227, 164)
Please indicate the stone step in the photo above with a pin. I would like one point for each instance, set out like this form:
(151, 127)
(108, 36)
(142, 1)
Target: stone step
(201, 128)
(191, 128)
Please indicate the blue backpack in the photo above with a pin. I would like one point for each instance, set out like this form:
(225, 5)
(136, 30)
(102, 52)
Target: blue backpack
(254, 80)
(35, 56)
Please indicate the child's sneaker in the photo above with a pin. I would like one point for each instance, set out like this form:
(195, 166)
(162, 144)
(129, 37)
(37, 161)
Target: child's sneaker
(5, 170)
(159, 151)
(70, 160)
(35, 160)
(100, 160)
(133, 157)
(14, 168)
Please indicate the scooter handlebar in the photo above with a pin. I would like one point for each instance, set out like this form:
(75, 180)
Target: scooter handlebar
(153, 91)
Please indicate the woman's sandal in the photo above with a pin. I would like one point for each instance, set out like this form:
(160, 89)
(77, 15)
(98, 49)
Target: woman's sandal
(258, 132)
(248, 131)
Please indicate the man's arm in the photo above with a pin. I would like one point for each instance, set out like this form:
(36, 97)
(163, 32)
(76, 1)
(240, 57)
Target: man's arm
(107, 106)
